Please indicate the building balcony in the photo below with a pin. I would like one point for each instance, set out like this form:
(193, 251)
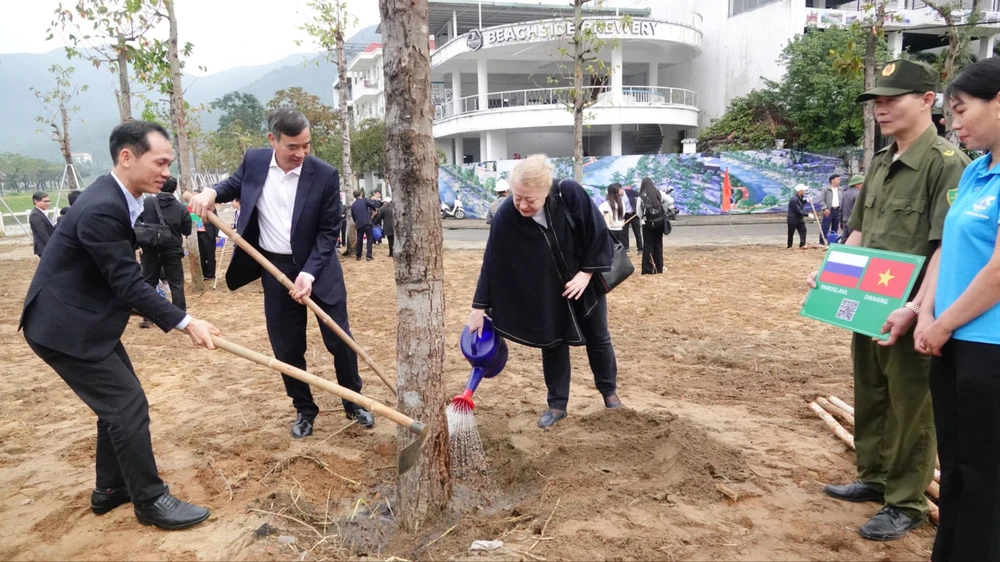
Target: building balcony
(907, 15)
(550, 107)
(363, 90)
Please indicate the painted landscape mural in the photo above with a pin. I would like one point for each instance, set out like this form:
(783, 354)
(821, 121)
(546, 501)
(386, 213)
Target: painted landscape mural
(762, 181)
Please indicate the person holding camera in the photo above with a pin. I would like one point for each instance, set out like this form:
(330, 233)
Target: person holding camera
(165, 209)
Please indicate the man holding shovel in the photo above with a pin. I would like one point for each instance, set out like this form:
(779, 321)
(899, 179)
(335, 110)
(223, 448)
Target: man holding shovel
(77, 307)
(901, 208)
(292, 217)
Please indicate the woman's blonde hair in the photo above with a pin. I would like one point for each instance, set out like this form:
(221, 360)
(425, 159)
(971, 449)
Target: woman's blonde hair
(534, 172)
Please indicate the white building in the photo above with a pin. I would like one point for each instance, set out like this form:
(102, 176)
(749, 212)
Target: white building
(499, 71)
(81, 158)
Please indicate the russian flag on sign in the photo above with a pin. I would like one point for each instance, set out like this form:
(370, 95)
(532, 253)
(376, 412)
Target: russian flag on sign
(843, 269)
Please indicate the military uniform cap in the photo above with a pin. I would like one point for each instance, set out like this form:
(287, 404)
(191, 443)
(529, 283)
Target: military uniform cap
(902, 77)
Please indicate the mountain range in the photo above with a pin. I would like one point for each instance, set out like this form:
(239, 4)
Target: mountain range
(98, 111)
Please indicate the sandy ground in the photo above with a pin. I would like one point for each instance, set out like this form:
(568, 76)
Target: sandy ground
(716, 369)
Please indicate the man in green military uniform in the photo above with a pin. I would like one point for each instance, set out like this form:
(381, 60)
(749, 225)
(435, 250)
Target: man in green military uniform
(900, 209)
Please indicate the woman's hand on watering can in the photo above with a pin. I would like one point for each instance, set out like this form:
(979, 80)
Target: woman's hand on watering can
(476, 319)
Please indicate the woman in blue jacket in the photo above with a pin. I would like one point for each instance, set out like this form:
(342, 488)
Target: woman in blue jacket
(960, 327)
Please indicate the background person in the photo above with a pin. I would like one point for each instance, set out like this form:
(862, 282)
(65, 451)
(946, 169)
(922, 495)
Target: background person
(362, 211)
(797, 216)
(535, 280)
(831, 201)
(959, 326)
(614, 211)
(384, 216)
(847, 204)
(651, 209)
(166, 259)
(631, 203)
(41, 227)
(501, 189)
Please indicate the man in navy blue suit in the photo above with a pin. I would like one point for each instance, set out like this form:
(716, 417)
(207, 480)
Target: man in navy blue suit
(291, 213)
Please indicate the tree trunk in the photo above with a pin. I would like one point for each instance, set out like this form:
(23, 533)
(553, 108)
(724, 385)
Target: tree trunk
(579, 99)
(411, 160)
(347, 181)
(179, 122)
(124, 88)
(868, 137)
(64, 145)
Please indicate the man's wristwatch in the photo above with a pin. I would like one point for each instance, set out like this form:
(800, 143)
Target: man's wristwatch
(912, 307)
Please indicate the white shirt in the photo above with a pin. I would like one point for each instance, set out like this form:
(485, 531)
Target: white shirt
(134, 203)
(275, 207)
(134, 210)
(836, 198)
(614, 223)
(539, 217)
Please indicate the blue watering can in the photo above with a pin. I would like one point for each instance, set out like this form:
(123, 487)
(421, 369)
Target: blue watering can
(488, 356)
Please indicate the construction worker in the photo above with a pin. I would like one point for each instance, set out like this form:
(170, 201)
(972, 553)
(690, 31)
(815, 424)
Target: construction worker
(901, 208)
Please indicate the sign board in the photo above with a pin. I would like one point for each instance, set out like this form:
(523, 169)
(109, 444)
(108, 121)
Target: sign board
(857, 288)
(549, 30)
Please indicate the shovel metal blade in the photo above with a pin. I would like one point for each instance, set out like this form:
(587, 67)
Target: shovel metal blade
(408, 455)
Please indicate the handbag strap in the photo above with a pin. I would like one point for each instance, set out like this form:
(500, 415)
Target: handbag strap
(159, 214)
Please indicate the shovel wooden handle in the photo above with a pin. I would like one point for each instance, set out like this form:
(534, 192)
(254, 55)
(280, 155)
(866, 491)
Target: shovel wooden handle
(372, 405)
(284, 280)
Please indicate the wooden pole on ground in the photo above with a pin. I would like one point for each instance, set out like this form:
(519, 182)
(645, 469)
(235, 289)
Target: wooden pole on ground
(835, 410)
(838, 429)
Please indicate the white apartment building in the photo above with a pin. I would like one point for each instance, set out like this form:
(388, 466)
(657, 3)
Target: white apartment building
(499, 68)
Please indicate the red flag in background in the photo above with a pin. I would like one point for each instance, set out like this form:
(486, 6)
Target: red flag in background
(727, 192)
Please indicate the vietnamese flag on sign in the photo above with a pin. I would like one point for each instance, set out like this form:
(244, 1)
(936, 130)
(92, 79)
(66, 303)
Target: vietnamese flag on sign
(887, 277)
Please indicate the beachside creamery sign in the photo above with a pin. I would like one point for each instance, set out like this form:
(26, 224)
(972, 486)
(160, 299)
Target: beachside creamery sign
(605, 28)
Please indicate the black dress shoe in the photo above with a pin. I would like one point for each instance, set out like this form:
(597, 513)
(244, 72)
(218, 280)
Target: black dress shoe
(364, 418)
(550, 418)
(889, 524)
(103, 500)
(168, 512)
(303, 426)
(369, 258)
(613, 402)
(856, 492)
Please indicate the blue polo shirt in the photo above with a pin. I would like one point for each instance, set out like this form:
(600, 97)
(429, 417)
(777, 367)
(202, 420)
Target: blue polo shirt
(970, 237)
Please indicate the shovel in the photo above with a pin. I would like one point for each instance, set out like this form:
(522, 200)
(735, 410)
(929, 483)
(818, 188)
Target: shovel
(407, 456)
(323, 316)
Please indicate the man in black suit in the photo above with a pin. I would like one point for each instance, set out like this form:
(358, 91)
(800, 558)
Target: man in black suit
(77, 307)
(41, 226)
(71, 197)
(291, 213)
(166, 257)
(361, 212)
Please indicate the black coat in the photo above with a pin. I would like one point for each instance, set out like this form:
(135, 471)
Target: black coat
(175, 214)
(361, 212)
(384, 216)
(796, 210)
(520, 284)
(41, 229)
(315, 222)
(88, 281)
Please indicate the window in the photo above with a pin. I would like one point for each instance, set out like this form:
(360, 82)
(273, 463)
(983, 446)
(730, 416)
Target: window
(737, 7)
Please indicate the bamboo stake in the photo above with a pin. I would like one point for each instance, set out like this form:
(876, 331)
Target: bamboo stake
(842, 405)
(835, 410)
(284, 280)
(225, 244)
(838, 429)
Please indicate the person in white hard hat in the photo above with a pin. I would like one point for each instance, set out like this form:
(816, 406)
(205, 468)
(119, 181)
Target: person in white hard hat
(797, 216)
(502, 189)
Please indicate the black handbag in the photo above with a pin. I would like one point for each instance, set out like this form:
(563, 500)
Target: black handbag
(156, 235)
(621, 266)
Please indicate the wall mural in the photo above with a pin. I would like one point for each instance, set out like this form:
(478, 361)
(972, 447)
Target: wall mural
(762, 181)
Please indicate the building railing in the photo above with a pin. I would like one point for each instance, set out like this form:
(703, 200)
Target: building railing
(632, 96)
(894, 5)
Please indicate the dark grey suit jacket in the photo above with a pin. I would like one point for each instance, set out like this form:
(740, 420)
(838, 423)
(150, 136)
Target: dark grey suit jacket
(41, 229)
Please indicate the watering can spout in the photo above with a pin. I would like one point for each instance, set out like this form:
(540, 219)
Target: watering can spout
(487, 353)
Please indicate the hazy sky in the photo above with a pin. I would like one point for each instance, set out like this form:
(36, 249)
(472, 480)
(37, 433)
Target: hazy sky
(225, 33)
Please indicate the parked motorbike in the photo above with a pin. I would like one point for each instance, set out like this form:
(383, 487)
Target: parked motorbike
(457, 211)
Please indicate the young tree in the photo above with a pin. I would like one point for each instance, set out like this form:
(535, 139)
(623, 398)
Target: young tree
(411, 161)
(56, 104)
(959, 36)
(109, 33)
(327, 30)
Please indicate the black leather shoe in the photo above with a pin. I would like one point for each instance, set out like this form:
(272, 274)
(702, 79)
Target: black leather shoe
(550, 418)
(105, 499)
(856, 492)
(364, 418)
(613, 402)
(889, 524)
(303, 426)
(168, 512)
(369, 258)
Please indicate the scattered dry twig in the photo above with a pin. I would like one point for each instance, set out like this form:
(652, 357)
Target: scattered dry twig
(546, 525)
(443, 535)
(289, 517)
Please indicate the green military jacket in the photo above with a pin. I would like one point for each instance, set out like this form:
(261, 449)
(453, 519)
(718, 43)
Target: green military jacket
(903, 203)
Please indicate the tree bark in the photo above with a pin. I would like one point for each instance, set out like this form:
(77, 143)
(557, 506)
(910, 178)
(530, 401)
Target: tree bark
(64, 146)
(180, 127)
(579, 97)
(411, 162)
(124, 88)
(871, 42)
(347, 181)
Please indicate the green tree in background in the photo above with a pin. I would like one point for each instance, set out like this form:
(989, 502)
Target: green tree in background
(368, 147)
(243, 108)
(751, 122)
(324, 123)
